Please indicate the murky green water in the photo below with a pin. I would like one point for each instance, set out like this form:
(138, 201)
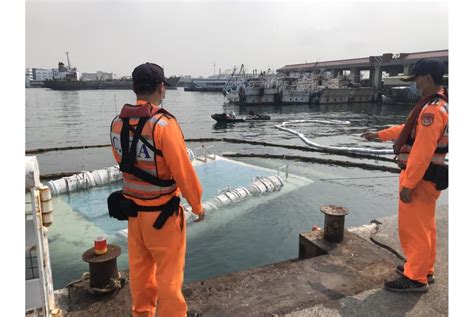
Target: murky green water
(254, 233)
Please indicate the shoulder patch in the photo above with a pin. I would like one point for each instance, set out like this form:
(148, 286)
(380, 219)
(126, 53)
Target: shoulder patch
(427, 119)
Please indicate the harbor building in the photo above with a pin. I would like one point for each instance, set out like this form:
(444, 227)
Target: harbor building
(28, 77)
(393, 64)
(28, 74)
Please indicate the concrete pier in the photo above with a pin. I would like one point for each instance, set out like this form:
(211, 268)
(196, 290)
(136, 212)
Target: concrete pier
(377, 301)
(347, 281)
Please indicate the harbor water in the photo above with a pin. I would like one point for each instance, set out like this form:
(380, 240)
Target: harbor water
(254, 233)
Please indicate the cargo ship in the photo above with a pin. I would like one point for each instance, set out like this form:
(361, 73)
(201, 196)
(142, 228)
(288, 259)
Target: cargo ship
(72, 84)
(67, 78)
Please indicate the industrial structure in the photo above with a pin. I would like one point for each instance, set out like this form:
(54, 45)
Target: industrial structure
(393, 64)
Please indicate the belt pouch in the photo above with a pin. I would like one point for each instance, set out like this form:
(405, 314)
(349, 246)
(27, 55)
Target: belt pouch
(120, 207)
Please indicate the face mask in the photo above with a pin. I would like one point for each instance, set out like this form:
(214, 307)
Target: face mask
(415, 91)
(163, 94)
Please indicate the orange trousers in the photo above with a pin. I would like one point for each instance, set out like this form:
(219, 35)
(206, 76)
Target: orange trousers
(417, 230)
(156, 260)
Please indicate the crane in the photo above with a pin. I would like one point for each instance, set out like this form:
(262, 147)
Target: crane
(68, 61)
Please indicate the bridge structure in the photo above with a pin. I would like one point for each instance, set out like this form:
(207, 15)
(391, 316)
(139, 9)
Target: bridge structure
(393, 64)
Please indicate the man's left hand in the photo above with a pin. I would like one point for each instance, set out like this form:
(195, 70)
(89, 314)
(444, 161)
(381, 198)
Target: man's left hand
(201, 216)
(405, 195)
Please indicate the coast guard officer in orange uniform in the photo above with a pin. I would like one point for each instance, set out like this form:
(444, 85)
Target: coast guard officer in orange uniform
(148, 144)
(421, 145)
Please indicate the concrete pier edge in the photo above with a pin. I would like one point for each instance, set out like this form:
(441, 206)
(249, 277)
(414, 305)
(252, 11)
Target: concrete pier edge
(346, 282)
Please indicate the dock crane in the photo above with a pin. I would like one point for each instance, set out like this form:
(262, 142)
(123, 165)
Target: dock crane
(68, 61)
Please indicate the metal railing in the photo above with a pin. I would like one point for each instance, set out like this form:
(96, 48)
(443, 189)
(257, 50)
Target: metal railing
(206, 153)
(285, 167)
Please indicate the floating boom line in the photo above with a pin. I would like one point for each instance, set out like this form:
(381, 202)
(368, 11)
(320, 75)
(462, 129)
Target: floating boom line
(341, 149)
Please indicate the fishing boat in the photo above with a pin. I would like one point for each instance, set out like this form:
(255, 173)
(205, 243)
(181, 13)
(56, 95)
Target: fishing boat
(276, 89)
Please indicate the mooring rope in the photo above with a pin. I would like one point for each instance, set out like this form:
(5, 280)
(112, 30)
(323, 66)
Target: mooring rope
(380, 244)
(114, 285)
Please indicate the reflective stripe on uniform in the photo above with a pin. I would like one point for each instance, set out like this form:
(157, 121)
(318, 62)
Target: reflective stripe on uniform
(445, 108)
(436, 159)
(158, 120)
(405, 148)
(139, 195)
(403, 157)
(442, 143)
(145, 187)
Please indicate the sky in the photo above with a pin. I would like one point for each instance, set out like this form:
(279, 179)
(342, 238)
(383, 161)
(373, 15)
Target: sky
(187, 38)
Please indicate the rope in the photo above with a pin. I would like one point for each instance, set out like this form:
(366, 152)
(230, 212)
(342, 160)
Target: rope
(317, 160)
(351, 178)
(380, 244)
(230, 140)
(44, 150)
(114, 285)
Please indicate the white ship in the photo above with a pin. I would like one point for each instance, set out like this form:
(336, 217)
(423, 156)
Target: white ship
(207, 84)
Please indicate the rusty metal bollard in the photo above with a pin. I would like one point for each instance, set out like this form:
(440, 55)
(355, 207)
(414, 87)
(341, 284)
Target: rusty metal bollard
(334, 223)
(102, 267)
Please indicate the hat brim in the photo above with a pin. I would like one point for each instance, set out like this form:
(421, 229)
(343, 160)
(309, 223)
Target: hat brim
(166, 83)
(408, 78)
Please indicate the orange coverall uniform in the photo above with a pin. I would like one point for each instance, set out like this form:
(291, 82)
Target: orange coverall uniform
(416, 219)
(156, 257)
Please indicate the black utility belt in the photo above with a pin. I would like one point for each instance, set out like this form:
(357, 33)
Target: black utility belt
(122, 208)
(435, 173)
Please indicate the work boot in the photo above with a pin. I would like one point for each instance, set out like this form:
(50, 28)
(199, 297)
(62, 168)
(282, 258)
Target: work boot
(430, 277)
(405, 285)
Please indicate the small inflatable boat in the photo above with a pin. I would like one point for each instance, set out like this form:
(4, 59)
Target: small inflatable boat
(231, 118)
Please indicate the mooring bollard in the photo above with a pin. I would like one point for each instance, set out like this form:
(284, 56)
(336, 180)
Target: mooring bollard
(334, 223)
(102, 261)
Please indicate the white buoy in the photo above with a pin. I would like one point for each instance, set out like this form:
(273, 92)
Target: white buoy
(89, 178)
(58, 186)
(190, 154)
(101, 176)
(46, 206)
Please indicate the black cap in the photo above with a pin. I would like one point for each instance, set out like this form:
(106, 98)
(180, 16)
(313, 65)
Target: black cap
(149, 72)
(425, 66)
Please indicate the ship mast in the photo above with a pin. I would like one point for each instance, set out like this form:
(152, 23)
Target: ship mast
(68, 61)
